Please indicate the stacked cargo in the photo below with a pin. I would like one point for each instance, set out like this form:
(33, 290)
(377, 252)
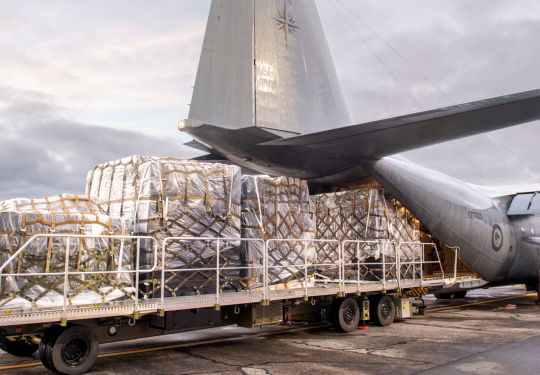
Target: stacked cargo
(364, 215)
(169, 197)
(276, 209)
(21, 219)
(58, 204)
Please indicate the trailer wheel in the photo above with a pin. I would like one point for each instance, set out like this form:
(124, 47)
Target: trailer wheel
(461, 294)
(345, 315)
(383, 311)
(21, 348)
(69, 351)
(45, 346)
(443, 295)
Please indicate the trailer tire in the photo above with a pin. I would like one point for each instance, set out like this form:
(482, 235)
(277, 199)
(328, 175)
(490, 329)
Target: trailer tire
(383, 311)
(46, 345)
(345, 315)
(461, 294)
(443, 295)
(21, 348)
(70, 351)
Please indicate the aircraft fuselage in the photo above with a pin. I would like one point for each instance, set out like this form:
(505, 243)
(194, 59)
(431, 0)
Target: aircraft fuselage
(500, 248)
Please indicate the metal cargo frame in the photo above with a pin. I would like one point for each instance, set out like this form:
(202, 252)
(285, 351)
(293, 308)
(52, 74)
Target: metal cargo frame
(307, 286)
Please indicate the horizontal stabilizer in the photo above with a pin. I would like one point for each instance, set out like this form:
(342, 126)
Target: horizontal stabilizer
(209, 158)
(198, 145)
(376, 139)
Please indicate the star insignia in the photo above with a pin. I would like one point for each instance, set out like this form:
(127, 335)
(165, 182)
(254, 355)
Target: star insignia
(286, 23)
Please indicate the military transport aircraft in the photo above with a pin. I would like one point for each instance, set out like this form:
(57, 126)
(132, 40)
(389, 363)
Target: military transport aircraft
(267, 98)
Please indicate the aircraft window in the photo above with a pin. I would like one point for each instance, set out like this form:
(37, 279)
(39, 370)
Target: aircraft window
(532, 231)
(522, 230)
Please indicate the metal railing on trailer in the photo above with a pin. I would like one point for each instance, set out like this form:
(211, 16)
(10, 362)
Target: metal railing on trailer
(333, 268)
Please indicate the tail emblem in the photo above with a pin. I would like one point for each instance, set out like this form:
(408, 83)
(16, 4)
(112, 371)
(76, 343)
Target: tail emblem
(286, 22)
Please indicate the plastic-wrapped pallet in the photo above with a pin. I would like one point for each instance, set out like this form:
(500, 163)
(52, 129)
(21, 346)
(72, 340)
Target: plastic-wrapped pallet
(48, 254)
(276, 208)
(169, 197)
(366, 214)
(58, 204)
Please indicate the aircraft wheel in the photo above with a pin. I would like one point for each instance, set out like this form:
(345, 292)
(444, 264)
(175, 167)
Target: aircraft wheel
(383, 311)
(345, 315)
(443, 295)
(69, 351)
(21, 348)
(461, 294)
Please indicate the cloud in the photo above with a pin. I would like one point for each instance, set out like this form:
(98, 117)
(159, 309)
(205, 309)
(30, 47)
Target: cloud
(84, 83)
(124, 64)
(469, 50)
(44, 152)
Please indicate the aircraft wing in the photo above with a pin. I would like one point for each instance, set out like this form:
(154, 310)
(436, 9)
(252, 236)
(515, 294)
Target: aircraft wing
(376, 139)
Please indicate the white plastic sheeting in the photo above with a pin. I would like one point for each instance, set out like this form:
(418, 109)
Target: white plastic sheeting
(58, 204)
(365, 214)
(44, 255)
(169, 197)
(276, 208)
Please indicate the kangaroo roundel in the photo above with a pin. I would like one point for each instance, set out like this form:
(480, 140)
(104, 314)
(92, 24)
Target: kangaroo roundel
(497, 238)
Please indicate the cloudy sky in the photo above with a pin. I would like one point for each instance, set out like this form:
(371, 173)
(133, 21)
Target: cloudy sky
(83, 83)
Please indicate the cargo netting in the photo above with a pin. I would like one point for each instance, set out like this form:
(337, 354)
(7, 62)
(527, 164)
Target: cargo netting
(48, 255)
(276, 209)
(365, 215)
(57, 204)
(169, 197)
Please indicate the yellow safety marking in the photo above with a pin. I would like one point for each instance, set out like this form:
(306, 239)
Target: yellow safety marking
(96, 304)
(7, 312)
(21, 366)
(477, 303)
(23, 338)
(175, 346)
(417, 292)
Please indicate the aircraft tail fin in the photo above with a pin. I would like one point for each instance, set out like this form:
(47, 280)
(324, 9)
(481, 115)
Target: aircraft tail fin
(268, 64)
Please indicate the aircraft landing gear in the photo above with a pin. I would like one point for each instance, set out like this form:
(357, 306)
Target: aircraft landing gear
(461, 294)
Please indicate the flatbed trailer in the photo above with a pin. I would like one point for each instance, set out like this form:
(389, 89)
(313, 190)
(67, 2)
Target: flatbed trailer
(67, 334)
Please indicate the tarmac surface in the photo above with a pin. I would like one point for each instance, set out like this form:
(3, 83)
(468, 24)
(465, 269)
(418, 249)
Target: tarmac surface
(472, 335)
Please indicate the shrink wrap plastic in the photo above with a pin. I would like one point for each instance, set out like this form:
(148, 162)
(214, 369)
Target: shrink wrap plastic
(58, 204)
(169, 197)
(44, 255)
(366, 214)
(276, 208)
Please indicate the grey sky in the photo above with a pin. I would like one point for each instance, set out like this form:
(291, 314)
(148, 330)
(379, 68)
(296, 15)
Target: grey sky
(83, 83)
